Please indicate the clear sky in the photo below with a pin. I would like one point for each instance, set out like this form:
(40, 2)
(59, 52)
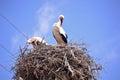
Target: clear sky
(95, 22)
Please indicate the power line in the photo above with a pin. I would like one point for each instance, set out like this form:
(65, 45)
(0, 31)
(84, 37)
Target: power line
(7, 70)
(6, 50)
(4, 68)
(11, 54)
(13, 26)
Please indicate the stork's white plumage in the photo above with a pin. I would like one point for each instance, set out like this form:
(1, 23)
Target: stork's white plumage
(59, 33)
(35, 41)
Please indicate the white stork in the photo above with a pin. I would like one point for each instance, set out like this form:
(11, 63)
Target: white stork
(59, 33)
(35, 41)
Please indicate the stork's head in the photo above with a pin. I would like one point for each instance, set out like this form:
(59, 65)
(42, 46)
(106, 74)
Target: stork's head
(61, 17)
(31, 40)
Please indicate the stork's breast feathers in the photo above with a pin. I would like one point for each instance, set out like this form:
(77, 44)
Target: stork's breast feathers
(63, 35)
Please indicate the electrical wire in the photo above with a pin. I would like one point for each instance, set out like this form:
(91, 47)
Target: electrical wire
(12, 25)
(11, 54)
(4, 68)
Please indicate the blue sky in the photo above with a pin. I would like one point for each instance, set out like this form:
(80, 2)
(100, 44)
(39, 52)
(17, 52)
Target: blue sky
(95, 22)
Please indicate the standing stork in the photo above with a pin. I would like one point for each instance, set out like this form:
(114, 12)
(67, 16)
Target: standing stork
(59, 33)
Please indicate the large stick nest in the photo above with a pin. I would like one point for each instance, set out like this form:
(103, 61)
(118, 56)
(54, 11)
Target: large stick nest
(47, 62)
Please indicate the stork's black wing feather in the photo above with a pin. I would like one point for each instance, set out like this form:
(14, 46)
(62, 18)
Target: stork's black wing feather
(64, 38)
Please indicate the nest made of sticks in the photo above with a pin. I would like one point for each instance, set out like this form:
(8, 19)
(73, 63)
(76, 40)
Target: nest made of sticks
(47, 62)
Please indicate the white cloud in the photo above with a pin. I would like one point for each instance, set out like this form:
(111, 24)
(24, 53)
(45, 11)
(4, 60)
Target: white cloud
(46, 15)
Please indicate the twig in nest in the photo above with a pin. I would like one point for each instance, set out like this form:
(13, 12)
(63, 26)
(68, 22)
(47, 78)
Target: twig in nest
(68, 65)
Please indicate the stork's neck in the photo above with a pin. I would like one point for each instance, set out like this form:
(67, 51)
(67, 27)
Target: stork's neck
(59, 22)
